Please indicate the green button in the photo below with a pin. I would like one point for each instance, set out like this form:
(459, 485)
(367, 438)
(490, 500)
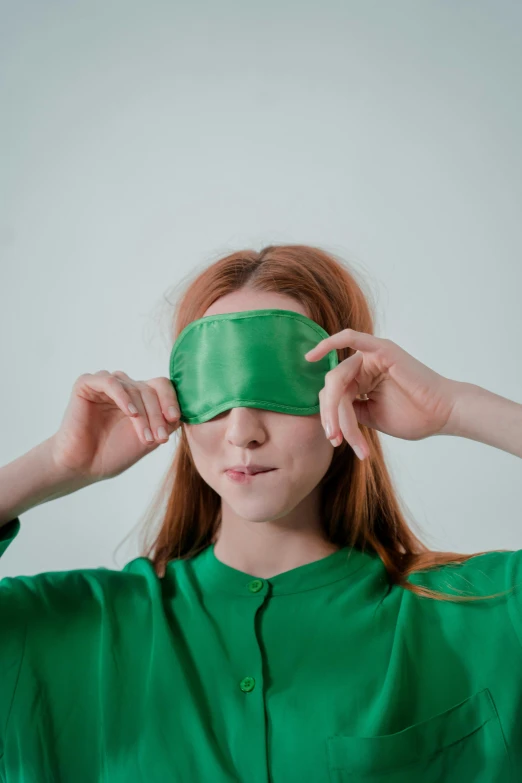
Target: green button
(255, 585)
(247, 684)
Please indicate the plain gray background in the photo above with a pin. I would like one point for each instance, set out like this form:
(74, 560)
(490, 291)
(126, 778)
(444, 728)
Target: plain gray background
(140, 141)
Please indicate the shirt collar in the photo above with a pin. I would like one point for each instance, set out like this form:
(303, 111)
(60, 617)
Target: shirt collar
(213, 574)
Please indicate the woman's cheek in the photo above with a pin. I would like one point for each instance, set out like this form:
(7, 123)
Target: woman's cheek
(309, 440)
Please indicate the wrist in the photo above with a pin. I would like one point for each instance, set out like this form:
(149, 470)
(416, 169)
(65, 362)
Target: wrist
(461, 393)
(486, 417)
(33, 479)
(59, 479)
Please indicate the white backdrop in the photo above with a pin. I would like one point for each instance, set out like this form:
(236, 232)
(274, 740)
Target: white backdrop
(142, 140)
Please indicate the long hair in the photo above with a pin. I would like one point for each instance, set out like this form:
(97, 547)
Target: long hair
(359, 506)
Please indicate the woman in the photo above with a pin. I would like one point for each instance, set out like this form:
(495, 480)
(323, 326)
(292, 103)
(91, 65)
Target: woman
(282, 627)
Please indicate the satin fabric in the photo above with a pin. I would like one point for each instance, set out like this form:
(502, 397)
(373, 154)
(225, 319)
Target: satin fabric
(251, 359)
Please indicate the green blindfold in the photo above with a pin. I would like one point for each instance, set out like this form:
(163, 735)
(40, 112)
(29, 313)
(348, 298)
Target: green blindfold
(250, 359)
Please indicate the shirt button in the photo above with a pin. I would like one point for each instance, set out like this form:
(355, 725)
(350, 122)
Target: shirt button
(255, 585)
(247, 684)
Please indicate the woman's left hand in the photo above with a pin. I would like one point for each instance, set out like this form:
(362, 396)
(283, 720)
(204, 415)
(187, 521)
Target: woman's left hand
(406, 398)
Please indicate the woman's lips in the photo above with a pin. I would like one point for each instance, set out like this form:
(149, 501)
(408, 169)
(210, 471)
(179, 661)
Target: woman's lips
(245, 478)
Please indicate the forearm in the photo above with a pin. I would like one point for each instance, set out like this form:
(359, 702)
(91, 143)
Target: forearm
(483, 416)
(31, 480)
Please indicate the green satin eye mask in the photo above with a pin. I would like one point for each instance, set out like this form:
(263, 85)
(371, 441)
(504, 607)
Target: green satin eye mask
(250, 359)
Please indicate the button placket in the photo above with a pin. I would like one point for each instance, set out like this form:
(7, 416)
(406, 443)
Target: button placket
(248, 683)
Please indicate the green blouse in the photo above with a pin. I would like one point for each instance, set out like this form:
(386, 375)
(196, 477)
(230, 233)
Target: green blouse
(320, 674)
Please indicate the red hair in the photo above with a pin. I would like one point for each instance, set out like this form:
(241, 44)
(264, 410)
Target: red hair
(360, 507)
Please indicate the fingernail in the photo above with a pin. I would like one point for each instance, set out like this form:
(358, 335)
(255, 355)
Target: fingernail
(132, 408)
(162, 432)
(359, 452)
(148, 434)
(172, 412)
(328, 430)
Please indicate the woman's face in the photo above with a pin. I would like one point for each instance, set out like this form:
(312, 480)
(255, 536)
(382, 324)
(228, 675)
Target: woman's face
(295, 445)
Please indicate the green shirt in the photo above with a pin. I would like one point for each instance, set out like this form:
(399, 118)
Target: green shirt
(317, 675)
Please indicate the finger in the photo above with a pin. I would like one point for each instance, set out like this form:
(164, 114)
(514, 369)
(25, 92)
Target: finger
(166, 394)
(140, 417)
(149, 424)
(364, 412)
(103, 381)
(350, 428)
(336, 384)
(157, 423)
(347, 338)
(167, 398)
(341, 385)
(152, 415)
(125, 395)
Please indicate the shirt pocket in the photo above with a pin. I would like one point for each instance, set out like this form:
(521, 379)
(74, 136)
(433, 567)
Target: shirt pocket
(463, 743)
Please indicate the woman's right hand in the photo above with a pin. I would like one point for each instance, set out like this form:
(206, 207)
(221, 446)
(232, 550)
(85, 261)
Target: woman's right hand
(99, 436)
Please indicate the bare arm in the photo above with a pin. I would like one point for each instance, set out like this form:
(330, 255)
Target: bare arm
(482, 415)
(33, 479)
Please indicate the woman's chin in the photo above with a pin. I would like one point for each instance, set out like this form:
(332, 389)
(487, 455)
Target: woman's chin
(258, 510)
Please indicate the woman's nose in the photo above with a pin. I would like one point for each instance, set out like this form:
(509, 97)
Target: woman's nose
(244, 425)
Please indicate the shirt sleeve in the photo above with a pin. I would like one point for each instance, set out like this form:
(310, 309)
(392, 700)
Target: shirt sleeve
(499, 572)
(13, 624)
(513, 583)
(8, 533)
